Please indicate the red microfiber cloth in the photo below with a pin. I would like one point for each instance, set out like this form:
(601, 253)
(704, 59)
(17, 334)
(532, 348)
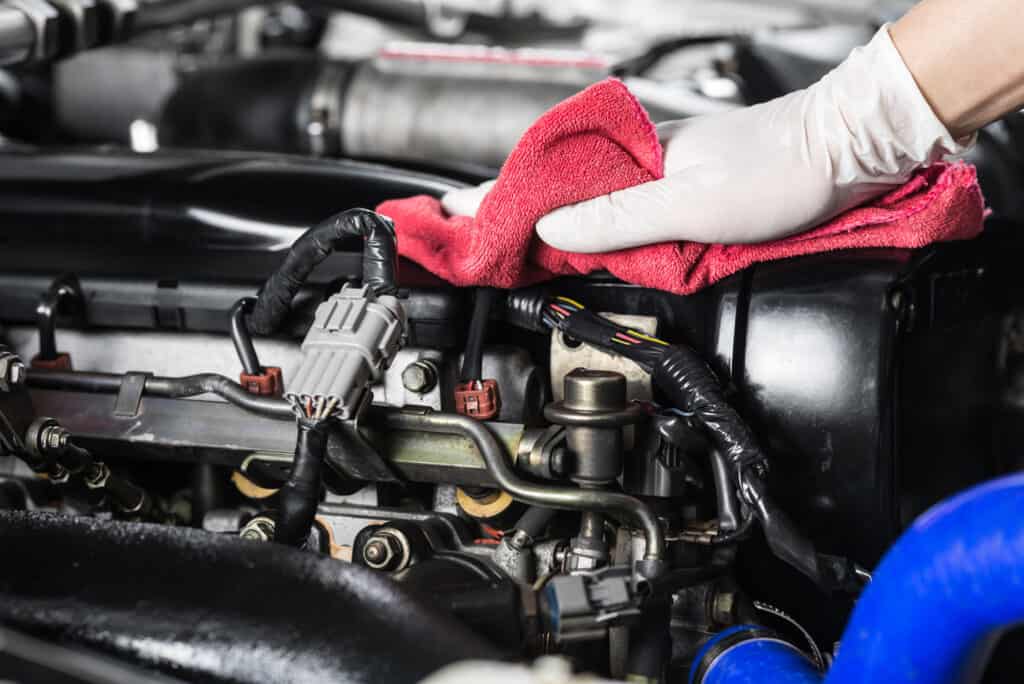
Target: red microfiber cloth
(602, 140)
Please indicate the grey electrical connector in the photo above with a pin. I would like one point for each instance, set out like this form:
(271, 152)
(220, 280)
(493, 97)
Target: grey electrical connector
(354, 336)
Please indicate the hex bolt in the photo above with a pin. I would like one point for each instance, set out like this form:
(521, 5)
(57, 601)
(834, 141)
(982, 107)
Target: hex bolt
(420, 376)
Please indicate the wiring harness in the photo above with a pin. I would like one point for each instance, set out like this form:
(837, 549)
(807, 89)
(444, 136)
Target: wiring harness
(689, 384)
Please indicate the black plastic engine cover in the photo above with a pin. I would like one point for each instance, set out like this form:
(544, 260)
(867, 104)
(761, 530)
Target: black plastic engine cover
(217, 609)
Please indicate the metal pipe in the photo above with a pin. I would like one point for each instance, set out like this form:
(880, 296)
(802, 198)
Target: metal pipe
(498, 464)
(493, 453)
(21, 35)
(241, 338)
(65, 289)
(188, 386)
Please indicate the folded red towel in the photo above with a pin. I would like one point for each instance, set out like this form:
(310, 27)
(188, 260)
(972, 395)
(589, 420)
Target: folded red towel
(601, 140)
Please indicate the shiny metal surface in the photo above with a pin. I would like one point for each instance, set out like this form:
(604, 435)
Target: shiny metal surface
(498, 462)
(567, 356)
(401, 109)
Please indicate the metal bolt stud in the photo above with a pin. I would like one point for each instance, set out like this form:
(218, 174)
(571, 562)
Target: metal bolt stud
(376, 553)
(420, 376)
(384, 551)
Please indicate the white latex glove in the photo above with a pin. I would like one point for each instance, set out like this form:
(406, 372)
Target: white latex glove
(767, 171)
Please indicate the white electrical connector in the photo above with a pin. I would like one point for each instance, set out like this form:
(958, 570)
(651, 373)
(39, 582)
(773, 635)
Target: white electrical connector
(353, 339)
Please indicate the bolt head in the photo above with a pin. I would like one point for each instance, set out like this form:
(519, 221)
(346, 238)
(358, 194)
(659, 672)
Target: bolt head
(419, 377)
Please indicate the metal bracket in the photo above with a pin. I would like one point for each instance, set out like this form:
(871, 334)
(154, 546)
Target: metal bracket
(566, 358)
(129, 396)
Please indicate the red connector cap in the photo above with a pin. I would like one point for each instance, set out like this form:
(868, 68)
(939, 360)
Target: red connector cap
(61, 362)
(478, 399)
(269, 383)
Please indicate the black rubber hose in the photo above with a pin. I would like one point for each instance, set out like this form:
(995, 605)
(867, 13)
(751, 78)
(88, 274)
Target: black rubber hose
(498, 465)
(535, 520)
(298, 498)
(473, 358)
(242, 339)
(128, 496)
(315, 245)
(188, 386)
(74, 458)
(64, 290)
(725, 494)
(46, 317)
(207, 490)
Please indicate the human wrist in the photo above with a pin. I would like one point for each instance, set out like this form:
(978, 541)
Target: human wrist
(873, 120)
(965, 58)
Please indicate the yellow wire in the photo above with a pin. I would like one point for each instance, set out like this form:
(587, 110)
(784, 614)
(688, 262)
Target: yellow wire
(648, 338)
(622, 342)
(571, 301)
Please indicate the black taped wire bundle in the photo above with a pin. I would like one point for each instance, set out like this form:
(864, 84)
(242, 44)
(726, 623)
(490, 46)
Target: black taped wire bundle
(315, 245)
(298, 498)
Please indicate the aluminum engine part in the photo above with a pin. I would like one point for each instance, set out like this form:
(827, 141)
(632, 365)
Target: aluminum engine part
(403, 107)
(408, 381)
(353, 339)
(567, 356)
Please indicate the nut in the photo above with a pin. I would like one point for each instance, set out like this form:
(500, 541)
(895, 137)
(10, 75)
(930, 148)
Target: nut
(385, 551)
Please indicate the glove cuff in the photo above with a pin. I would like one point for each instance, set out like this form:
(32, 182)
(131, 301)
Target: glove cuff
(890, 128)
(904, 86)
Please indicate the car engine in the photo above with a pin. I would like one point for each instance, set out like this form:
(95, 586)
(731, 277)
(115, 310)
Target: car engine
(244, 441)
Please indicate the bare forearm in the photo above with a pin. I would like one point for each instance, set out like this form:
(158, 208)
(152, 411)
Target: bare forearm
(967, 57)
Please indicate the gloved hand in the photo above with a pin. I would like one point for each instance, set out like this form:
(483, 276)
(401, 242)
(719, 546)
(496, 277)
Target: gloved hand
(767, 171)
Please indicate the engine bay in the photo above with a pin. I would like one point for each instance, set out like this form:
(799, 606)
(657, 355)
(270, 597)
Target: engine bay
(244, 441)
